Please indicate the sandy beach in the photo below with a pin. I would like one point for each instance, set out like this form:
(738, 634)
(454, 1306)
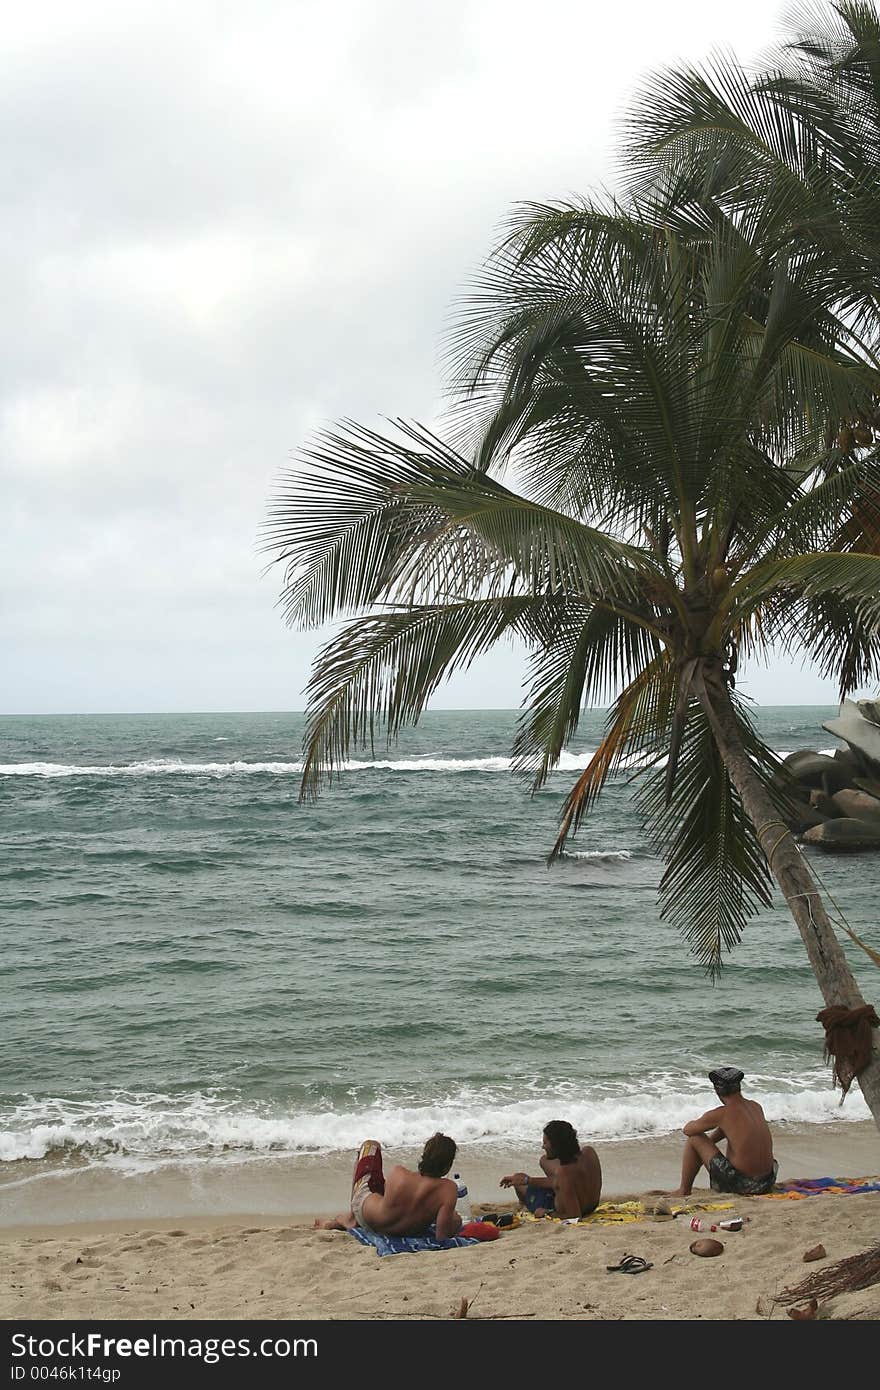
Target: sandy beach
(187, 1252)
(541, 1270)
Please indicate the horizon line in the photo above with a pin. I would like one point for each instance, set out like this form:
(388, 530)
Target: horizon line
(440, 709)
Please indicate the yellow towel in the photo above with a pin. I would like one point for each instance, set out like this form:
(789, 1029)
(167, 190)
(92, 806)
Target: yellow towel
(621, 1213)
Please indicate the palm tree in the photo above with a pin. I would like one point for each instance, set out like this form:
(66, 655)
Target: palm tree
(645, 496)
(795, 146)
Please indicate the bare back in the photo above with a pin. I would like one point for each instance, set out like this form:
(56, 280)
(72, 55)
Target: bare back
(749, 1142)
(579, 1184)
(410, 1203)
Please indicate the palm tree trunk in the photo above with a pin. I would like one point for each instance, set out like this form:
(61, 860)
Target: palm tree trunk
(788, 866)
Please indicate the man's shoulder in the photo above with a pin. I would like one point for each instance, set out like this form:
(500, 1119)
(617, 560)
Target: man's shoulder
(445, 1188)
(399, 1174)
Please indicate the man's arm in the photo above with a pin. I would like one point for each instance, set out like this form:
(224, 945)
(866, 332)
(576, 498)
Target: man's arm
(448, 1221)
(523, 1180)
(711, 1120)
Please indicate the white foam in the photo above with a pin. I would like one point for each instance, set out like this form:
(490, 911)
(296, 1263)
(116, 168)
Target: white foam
(140, 1132)
(164, 767)
(602, 855)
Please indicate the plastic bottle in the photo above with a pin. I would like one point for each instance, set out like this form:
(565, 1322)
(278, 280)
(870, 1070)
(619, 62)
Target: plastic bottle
(462, 1205)
(733, 1223)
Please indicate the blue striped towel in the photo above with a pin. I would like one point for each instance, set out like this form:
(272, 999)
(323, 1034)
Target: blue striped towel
(402, 1245)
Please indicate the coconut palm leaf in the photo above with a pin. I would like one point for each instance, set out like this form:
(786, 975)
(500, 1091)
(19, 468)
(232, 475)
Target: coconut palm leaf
(845, 575)
(716, 874)
(635, 732)
(581, 661)
(827, 632)
(380, 671)
(372, 519)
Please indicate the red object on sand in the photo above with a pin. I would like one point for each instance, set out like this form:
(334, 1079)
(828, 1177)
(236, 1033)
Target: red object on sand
(480, 1230)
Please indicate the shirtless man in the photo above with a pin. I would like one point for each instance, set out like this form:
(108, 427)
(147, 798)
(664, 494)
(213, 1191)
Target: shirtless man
(406, 1203)
(572, 1181)
(748, 1168)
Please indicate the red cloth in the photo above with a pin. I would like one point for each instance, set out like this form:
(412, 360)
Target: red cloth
(480, 1230)
(369, 1166)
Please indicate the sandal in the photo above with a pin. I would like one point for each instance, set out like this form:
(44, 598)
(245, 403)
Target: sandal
(630, 1264)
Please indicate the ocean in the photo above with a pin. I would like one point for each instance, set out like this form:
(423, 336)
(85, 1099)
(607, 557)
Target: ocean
(202, 975)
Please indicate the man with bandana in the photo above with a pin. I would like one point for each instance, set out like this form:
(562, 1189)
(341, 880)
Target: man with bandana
(748, 1167)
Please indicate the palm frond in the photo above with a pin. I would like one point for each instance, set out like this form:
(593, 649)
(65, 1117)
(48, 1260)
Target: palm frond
(716, 874)
(637, 725)
(580, 661)
(340, 523)
(380, 671)
(847, 576)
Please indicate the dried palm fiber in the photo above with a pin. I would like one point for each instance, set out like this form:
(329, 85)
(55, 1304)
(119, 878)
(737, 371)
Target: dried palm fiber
(848, 1041)
(846, 1276)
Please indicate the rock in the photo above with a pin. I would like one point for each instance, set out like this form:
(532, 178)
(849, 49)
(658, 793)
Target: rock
(815, 1252)
(843, 835)
(870, 710)
(860, 733)
(805, 1313)
(858, 805)
(804, 817)
(852, 761)
(818, 770)
(791, 760)
(867, 784)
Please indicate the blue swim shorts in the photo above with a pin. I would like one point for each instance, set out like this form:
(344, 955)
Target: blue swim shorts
(536, 1197)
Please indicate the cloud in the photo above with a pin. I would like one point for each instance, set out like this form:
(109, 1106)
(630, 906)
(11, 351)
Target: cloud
(224, 227)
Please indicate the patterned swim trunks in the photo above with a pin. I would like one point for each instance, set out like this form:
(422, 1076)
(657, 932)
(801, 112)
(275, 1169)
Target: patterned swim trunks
(723, 1177)
(368, 1179)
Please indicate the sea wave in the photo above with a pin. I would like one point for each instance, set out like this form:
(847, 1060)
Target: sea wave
(164, 767)
(137, 1132)
(168, 767)
(608, 856)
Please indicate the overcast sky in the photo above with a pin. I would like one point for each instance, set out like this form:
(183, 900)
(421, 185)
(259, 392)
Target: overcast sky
(225, 225)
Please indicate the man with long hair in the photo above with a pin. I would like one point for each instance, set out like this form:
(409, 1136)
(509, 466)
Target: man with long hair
(571, 1181)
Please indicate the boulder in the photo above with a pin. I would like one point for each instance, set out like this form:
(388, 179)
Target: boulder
(852, 761)
(844, 835)
(870, 710)
(869, 785)
(817, 770)
(802, 817)
(856, 804)
(824, 804)
(860, 733)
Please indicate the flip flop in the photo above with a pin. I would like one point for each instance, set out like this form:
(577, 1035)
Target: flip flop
(630, 1264)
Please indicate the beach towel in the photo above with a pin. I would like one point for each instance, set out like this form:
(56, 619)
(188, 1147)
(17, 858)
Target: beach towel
(795, 1188)
(621, 1213)
(409, 1245)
